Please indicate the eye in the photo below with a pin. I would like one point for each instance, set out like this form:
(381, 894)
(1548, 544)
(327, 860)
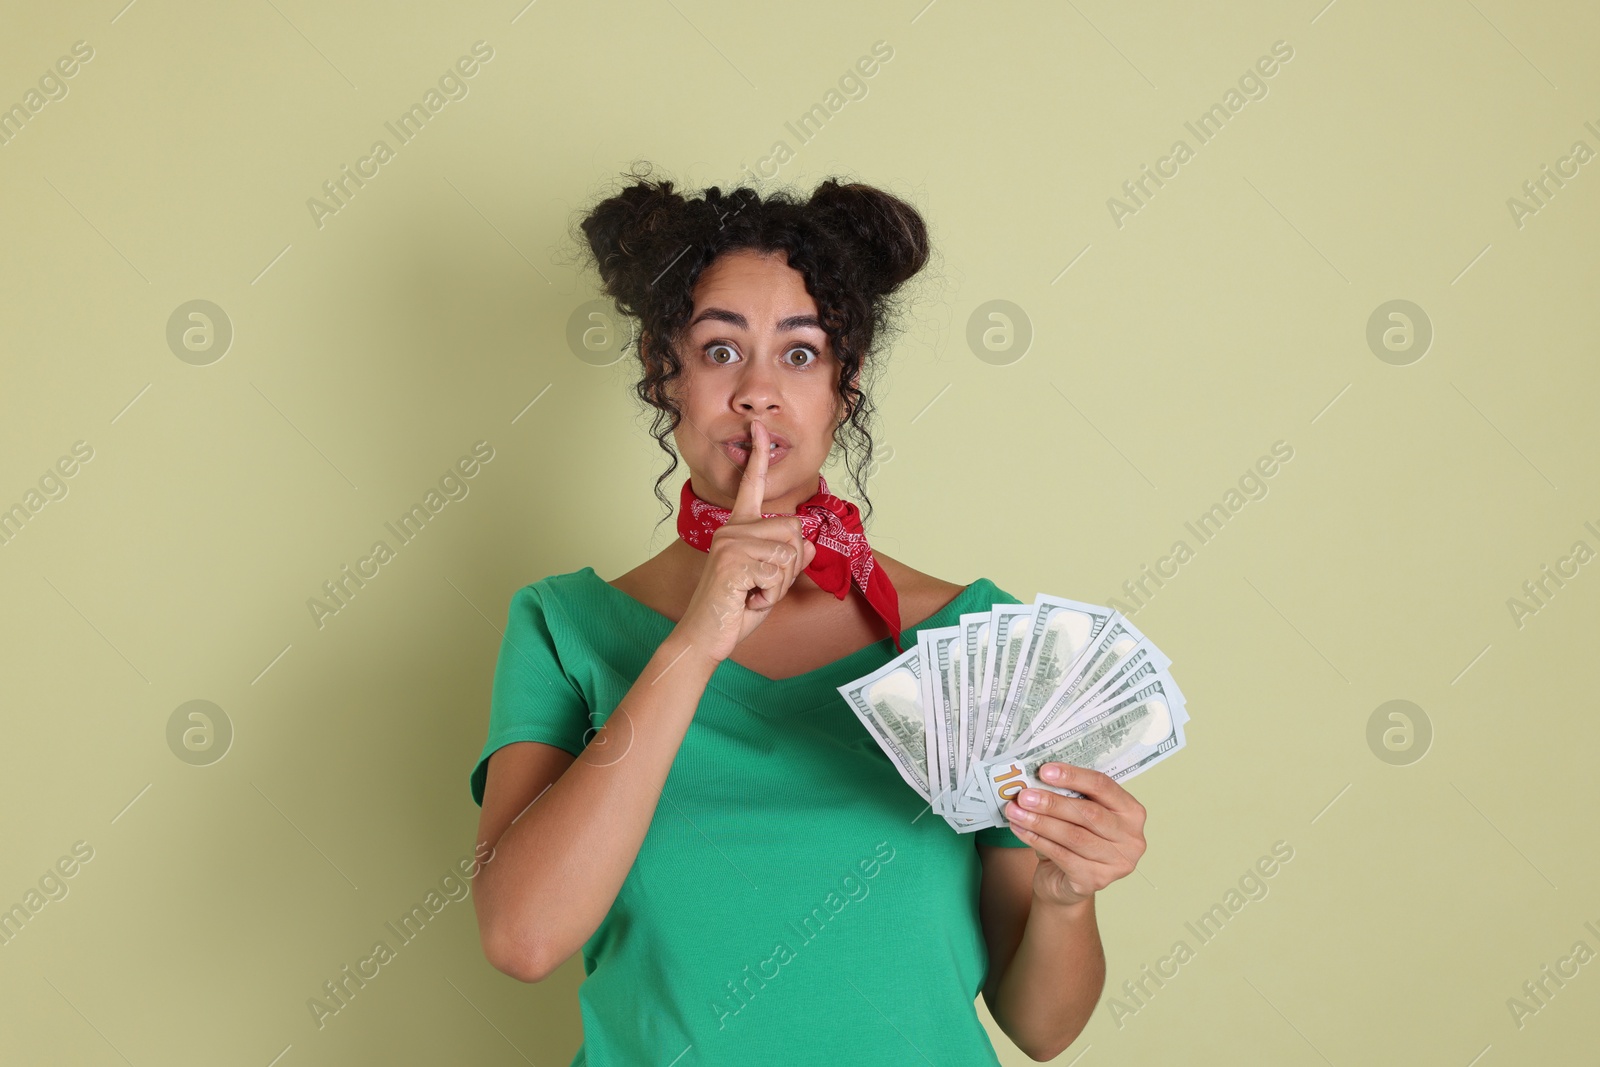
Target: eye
(732, 356)
(711, 349)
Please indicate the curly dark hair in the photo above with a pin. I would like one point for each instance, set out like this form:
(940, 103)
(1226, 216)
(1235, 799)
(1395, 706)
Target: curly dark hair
(854, 245)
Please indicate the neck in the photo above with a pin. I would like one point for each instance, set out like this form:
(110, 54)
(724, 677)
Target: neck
(783, 504)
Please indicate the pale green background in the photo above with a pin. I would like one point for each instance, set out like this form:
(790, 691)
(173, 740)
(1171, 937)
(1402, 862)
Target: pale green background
(1229, 313)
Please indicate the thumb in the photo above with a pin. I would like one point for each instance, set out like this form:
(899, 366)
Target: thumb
(808, 552)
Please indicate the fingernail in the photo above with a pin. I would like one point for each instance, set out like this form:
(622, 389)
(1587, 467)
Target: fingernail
(1051, 772)
(1030, 797)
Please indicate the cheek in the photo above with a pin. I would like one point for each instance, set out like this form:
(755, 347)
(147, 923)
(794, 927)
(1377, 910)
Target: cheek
(688, 399)
(830, 409)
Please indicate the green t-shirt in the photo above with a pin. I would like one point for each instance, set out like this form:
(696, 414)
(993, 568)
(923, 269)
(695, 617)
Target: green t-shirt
(794, 901)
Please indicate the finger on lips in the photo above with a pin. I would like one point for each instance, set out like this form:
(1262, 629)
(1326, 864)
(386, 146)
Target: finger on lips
(747, 510)
(753, 484)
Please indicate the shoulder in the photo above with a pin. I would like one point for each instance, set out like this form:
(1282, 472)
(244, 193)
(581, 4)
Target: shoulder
(909, 580)
(920, 594)
(552, 594)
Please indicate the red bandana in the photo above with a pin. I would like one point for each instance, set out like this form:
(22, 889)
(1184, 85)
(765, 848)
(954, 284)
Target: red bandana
(830, 523)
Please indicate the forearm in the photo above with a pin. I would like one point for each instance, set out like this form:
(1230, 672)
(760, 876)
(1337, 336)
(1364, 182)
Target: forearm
(1054, 979)
(558, 867)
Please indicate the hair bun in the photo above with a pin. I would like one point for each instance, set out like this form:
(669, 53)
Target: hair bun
(889, 231)
(626, 231)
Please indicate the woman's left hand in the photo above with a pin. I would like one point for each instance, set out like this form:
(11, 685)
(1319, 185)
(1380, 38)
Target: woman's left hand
(1083, 843)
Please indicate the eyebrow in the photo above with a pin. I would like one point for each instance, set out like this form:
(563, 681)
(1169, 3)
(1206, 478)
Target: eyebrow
(793, 322)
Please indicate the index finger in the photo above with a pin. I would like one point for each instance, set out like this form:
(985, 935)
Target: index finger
(753, 484)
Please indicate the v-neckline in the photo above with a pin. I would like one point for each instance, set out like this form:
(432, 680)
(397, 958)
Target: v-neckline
(747, 685)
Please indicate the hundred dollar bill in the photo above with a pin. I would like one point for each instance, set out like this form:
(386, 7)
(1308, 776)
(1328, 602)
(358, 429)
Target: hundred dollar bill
(1109, 675)
(941, 654)
(975, 631)
(947, 801)
(972, 791)
(972, 795)
(1111, 645)
(889, 704)
(1091, 705)
(1060, 631)
(981, 821)
(1136, 675)
(1009, 627)
(1122, 739)
(1132, 674)
(970, 712)
(969, 799)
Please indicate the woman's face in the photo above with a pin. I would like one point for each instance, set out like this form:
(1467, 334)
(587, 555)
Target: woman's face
(754, 349)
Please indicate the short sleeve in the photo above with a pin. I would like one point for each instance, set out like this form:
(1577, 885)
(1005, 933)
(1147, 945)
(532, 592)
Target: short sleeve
(1003, 597)
(1001, 835)
(533, 698)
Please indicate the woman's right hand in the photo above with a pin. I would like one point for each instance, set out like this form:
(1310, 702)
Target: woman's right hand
(751, 564)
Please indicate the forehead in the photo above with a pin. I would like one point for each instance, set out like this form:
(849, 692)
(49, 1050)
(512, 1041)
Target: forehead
(760, 286)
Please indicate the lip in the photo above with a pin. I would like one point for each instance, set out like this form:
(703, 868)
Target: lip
(741, 456)
(772, 435)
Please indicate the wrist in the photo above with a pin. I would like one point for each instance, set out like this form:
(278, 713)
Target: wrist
(1070, 910)
(681, 651)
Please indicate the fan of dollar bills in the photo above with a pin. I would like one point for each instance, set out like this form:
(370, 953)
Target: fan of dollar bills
(970, 714)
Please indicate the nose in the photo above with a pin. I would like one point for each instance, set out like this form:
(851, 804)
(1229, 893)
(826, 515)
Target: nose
(757, 390)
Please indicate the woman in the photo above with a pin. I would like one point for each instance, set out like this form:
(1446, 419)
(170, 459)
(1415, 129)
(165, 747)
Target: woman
(671, 782)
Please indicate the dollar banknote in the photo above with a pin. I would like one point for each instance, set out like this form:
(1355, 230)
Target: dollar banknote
(889, 704)
(941, 651)
(969, 712)
(1121, 739)
(1059, 631)
(1122, 657)
(1009, 629)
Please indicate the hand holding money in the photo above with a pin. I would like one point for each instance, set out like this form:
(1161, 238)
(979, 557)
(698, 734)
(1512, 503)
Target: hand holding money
(1085, 842)
(971, 715)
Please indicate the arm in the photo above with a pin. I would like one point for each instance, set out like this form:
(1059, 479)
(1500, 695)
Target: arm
(566, 830)
(1046, 963)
